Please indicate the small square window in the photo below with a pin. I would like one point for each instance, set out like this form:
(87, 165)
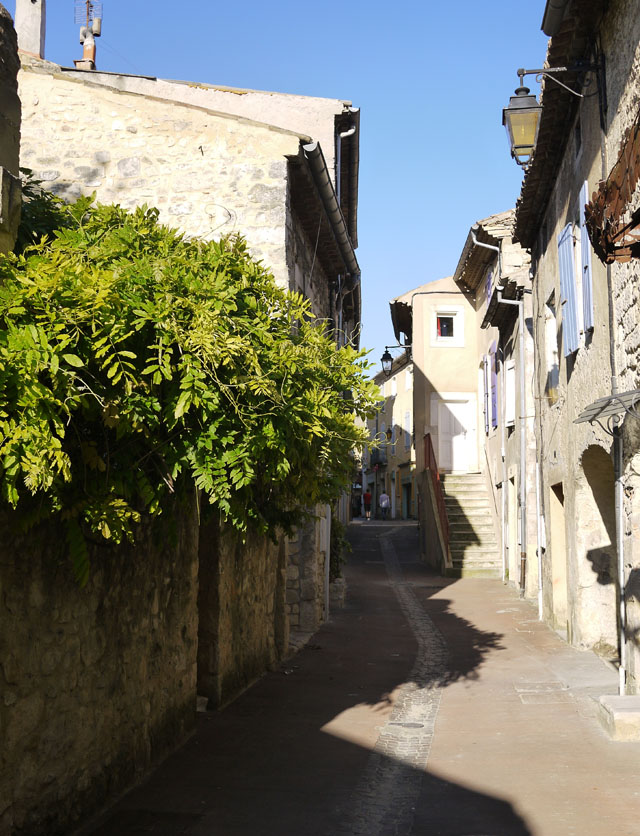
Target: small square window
(445, 326)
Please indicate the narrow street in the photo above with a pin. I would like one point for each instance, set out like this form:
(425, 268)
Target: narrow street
(427, 707)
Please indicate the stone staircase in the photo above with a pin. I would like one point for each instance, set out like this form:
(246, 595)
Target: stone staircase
(472, 538)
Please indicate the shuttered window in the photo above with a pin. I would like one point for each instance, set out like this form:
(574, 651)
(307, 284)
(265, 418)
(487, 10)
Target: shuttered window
(494, 385)
(585, 254)
(487, 394)
(568, 291)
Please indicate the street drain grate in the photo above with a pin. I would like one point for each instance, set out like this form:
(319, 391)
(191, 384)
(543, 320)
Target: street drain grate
(408, 725)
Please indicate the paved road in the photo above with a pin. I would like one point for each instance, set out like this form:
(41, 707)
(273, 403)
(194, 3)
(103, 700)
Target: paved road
(427, 707)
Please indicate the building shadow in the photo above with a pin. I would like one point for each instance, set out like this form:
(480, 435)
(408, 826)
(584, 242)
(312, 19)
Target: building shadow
(292, 754)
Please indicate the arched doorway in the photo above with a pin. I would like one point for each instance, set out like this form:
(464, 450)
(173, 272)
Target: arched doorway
(595, 603)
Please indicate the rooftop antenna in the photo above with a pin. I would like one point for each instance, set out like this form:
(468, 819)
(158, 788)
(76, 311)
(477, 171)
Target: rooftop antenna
(88, 13)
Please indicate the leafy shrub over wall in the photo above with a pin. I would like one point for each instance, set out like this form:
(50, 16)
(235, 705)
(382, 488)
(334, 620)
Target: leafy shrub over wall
(133, 361)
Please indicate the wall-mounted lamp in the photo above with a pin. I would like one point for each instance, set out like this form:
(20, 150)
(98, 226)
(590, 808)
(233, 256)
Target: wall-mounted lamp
(522, 117)
(387, 359)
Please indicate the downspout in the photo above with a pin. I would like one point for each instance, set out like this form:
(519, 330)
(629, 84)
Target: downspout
(505, 478)
(540, 529)
(618, 457)
(341, 136)
(523, 439)
(619, 506)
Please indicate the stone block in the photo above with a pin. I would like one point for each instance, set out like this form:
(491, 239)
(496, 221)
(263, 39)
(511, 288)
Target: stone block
(308, 616)
(620, 717)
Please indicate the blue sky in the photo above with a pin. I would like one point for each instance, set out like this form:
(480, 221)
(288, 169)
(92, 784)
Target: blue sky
(430, 78)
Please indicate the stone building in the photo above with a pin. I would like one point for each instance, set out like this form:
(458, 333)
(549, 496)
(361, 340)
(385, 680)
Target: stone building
(473, 417)
(9, 133)
(111, 684)
(391, 467)
(586, 325)
(496, 270)
(280, 169)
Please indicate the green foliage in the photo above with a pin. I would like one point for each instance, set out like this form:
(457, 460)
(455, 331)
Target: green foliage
(133, 361)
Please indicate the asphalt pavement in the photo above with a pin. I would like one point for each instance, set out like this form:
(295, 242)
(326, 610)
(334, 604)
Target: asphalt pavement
(426, 707)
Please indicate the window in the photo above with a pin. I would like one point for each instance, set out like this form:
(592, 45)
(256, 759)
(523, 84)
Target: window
(407, 430)
(489, 286)
(585, 263)
(447, 326)
(485, 380)
(552, 352)
(394, 386)
(408, 379)
(568, 290)
(490, 379)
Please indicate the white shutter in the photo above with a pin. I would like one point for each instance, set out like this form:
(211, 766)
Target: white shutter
(585, 251)
(568, 291)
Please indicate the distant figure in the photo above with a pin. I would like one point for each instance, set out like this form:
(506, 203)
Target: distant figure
(384, 504)
(366, 498)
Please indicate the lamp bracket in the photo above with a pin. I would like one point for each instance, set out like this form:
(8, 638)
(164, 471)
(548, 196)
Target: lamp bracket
(581, 67)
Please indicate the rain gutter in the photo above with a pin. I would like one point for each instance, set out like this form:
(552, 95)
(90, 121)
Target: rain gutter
(553, 16)
(322, 180)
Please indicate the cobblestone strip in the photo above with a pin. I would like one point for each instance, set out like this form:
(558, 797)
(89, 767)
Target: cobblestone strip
(385, 797)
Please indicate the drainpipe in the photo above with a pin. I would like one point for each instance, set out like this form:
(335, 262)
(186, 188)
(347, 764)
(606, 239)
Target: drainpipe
(540, 529)
(505, 478)
(619, 506)
(523, 438)
(341, 136)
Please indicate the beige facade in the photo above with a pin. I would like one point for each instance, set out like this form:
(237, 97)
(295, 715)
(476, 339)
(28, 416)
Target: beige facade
(440, 322)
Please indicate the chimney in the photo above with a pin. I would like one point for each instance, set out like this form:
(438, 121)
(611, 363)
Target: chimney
(30, 26)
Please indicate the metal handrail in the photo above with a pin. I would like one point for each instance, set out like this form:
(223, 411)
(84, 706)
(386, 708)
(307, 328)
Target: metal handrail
(431, 465)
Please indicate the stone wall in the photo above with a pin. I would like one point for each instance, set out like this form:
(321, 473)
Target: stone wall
(9, 133)
(208, 174)
(307, 551)
(621, 44)
(96, 683)
(243, 626)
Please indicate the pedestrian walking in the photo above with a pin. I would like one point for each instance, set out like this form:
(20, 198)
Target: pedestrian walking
(366, 498)
(384, 504)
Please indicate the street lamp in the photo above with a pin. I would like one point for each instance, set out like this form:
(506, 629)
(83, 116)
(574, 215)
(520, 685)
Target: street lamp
(387, 359)
(522, 120)
(522, 117)
(387, 362)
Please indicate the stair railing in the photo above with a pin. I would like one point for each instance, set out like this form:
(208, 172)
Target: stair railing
(431, 465)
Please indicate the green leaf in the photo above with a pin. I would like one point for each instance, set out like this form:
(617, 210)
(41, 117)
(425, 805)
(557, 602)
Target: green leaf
(73, 360)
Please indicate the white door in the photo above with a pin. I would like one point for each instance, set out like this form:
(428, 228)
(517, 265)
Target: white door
(455, 431)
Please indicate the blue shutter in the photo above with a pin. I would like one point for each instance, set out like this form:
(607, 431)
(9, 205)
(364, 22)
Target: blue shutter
(568, 291)
(585, 247)
(485, 382)
(494, 386)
